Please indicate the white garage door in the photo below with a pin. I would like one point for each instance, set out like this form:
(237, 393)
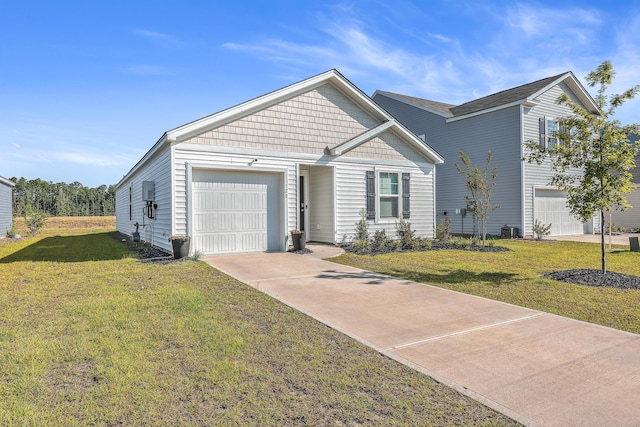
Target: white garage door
(551, 208)
(236, 211)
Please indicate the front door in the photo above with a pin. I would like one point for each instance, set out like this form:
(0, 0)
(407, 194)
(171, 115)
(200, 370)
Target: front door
(303, 200)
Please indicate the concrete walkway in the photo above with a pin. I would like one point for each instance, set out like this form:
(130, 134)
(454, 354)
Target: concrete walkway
(537, 368)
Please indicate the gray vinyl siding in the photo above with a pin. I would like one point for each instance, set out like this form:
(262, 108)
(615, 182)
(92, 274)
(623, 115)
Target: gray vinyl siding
(629, 219)
(498, 132)
(6, 207)
(539, 176)
(154, 231)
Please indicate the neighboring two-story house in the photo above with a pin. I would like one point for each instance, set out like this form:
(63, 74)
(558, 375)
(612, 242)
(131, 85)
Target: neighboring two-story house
(500, 123)
(629, 219)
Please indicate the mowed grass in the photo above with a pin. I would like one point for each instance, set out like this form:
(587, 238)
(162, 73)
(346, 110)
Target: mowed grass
(89, 335)
(515, 277)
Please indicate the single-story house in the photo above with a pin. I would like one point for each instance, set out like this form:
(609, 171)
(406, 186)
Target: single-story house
(313, 156)
(6, 205)
(500, 123)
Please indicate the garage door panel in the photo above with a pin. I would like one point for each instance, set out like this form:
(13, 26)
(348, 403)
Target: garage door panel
(254, 222)
(236, 211)
(550, 207)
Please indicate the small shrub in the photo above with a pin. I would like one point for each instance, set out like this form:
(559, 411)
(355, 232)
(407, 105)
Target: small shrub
(380, 243)
(407, 236)
(360, 247)
(424, 243)
(462, 242)
(361, 243)
(541, 230)
(362, 227)
(34, 220)
(443, 230)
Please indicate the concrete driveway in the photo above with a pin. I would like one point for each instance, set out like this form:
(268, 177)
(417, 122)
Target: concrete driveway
(613, 239)
(538, 368)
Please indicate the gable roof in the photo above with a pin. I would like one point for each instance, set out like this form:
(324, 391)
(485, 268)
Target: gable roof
(387, 121)
(524, 94)
(433, 106)
(504, 97)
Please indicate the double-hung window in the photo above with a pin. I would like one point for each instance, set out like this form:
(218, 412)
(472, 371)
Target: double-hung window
(388, 193)
(549, 129)
(552, 130)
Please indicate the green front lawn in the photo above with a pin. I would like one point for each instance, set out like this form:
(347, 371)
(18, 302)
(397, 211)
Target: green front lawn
(514, 277)
(91, 336)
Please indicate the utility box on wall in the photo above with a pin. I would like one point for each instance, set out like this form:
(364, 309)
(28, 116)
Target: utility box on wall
(148, 191)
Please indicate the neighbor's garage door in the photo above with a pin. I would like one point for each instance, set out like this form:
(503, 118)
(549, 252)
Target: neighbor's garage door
(236, 211)
(551, 208)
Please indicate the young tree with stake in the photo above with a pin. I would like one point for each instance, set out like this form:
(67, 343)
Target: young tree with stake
(593, 156)
(480, 184)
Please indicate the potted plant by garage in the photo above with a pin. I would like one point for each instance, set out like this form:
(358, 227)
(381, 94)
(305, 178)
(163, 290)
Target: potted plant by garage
(297, 237)
(180, 246)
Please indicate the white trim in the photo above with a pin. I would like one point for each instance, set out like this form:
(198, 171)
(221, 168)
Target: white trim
(209, 167)
(172, 185)
(360, 139)
(317, 159)
(307, 216)
(189, 205)
(149, 154)
(576, 87)
(522, 174)
(435, 213)
(6, 182)
(526, 102)
(332, 77)
(250, 107)
(398, 172)
(335, 204)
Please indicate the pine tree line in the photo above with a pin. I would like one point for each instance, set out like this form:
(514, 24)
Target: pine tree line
(62, 199)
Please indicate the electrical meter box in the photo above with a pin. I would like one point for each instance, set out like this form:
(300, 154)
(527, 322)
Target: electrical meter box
(148, 191)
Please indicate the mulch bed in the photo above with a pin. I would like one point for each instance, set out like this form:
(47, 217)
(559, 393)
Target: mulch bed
(435, 246)
(596, 278)
(144, 252)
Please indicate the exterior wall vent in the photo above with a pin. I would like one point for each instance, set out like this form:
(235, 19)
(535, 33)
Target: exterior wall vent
(148, 191)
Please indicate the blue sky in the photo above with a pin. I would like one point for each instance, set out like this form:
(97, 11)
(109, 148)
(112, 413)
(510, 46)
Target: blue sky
(87, 87)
